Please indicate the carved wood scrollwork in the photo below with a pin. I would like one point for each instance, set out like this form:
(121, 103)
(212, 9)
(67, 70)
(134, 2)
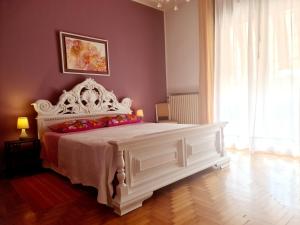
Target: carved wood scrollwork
(87, 97)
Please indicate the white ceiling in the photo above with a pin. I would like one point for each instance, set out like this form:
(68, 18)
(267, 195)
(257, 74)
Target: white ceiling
(153, 4)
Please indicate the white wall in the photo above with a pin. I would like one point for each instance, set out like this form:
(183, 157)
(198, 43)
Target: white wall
(182, 48)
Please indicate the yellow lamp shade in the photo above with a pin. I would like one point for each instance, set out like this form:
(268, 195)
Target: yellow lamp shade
(140, 113)
(22, 123)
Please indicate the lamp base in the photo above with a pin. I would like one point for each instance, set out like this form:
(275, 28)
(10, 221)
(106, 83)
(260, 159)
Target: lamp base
(23, 135)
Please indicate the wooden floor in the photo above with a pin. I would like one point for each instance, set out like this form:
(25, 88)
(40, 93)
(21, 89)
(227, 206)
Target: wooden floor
(255, 189)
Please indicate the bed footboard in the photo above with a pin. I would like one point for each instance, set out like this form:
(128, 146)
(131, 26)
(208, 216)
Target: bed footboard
(147, 163)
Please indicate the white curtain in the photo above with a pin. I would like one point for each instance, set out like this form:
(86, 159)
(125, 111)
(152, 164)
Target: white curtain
(257, 74)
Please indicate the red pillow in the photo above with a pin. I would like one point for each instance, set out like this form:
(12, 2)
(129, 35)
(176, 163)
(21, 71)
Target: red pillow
(122, 120)
(78, 125)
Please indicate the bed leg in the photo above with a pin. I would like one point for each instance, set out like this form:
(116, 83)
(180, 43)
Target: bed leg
(120, 172)
(222, 163)
(130, 203)
(121, 187)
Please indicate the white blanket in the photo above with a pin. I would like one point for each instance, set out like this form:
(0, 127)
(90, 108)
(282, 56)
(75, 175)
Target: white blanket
(87, 157)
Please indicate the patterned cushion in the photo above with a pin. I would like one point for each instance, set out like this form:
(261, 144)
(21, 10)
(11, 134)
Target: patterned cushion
(122, 120)
(78, 125)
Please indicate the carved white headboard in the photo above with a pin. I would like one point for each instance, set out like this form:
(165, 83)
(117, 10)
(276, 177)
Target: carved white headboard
(87, 99)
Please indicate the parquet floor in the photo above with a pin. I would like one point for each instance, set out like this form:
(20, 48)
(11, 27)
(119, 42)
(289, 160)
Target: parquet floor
(255, 189)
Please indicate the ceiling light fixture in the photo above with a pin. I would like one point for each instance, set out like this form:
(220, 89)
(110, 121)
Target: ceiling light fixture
(166, 3)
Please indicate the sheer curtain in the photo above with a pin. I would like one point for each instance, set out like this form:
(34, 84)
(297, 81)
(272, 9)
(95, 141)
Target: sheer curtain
(257, 74)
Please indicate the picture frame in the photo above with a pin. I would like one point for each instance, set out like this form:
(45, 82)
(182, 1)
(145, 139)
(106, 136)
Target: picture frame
(83, 54)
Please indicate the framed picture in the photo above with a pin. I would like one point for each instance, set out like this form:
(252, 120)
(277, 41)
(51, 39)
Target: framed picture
(83, 55)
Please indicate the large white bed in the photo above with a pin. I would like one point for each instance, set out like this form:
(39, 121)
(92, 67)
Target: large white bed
(142, 157)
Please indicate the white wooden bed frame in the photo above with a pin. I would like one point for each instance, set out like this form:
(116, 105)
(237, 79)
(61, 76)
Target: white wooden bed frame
(145, 163)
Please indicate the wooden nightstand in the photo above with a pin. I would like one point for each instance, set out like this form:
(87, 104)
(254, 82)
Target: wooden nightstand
(22, 156)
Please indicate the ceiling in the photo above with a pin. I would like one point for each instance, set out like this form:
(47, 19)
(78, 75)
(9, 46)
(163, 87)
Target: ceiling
(153, 4)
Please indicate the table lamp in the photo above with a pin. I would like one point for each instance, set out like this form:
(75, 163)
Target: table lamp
(23, 125)
(140, 113)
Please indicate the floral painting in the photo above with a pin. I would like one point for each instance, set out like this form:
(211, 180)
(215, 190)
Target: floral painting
(84, 55)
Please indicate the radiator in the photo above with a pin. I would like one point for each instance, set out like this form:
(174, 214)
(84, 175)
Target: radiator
(184, 108)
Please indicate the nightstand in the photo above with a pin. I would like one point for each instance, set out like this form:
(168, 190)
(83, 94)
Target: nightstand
(22, 156)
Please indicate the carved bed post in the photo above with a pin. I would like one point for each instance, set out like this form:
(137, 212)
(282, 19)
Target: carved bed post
(120, 173)
(118, 200)
(220, 149)
(223, 153)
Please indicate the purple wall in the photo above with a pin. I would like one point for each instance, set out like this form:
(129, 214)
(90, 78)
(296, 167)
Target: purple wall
(30, 59)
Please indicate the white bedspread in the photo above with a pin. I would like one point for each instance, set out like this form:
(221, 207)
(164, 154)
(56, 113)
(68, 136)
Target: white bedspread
(87, 157)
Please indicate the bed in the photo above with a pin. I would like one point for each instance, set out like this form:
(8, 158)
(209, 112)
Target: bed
(125, 163)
